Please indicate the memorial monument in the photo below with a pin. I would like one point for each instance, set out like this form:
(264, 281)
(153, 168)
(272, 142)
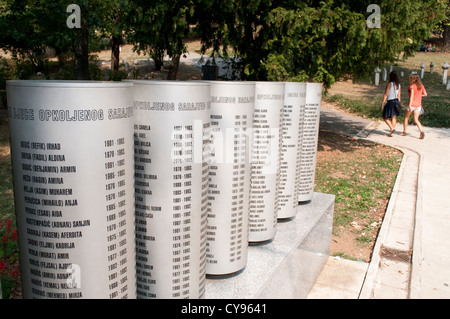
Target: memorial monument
(291, 148)
(140, 189)
(73, 164)
(310, 139)
(172, 128)
(232, 108)
(265, 175)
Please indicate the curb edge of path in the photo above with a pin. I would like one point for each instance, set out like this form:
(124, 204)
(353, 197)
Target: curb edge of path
(413, 292)
(374, 264)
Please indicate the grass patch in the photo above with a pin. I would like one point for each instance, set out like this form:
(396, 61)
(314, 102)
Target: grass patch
(9, 250)
(364, 99)
(361, 175)
(437, 110)
(362, 107)
(7, 211)
(6, 192)
(345, 256)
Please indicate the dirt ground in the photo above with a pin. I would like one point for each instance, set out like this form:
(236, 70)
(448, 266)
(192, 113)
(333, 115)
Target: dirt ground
(348, 159)
(144, 66)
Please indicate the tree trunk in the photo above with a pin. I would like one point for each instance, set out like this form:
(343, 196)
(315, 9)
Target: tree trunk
(158, 57)
(158, 63)
(115, 52)
(174, 67)
(82, 53)
(446, 46)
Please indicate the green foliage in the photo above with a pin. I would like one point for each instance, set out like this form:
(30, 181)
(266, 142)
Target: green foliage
(315, 40)
(32, 26)
(9, 255)
(241, 25)
(405, 25)
(160, 27)
(332, 39)
(444, 26)
(361, 176)
(27, 32)
(362, 107)
(320, 41)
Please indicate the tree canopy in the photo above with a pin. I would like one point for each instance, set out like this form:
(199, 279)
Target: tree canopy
(445, 28)
(317, 40)
(284, 40)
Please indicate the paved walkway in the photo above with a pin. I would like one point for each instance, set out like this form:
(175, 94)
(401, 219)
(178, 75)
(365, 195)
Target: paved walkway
(411, 257)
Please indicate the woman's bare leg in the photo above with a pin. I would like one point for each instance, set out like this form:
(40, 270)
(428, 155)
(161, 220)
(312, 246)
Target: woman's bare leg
(417, 122)
(405, 122)
(388, 123)
(394, 122)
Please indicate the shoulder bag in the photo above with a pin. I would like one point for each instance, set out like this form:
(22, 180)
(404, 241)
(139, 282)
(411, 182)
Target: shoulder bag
(397, 103)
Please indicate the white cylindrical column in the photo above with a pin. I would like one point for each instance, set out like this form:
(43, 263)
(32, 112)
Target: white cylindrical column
(377, 72)
(384, 75)
(445, 68)
(232, 107)
(310, 141)
(292, 134)
(171, 176)
(422, 70)
(72, 154)
(265, 175)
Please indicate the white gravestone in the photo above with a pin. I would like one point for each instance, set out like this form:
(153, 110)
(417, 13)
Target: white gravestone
(377, 72)
(445, 68)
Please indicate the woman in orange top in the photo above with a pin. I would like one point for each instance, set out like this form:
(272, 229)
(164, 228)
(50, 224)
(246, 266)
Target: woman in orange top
(416, 92)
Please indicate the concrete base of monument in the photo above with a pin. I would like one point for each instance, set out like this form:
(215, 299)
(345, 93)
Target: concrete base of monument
(288, 266)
